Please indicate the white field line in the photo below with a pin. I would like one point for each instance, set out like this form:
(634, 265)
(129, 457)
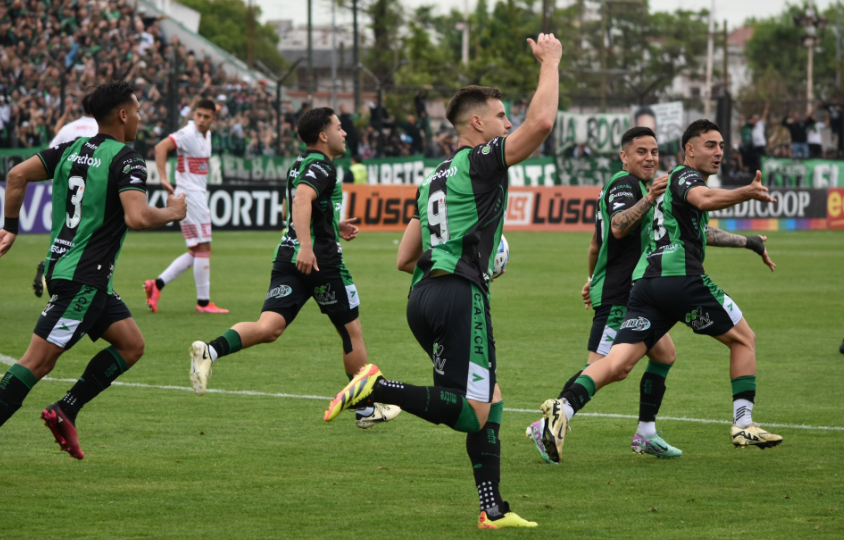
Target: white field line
(8, 360)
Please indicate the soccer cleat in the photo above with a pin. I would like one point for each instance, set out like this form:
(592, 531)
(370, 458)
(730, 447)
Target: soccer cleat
(39, 284)
(153, 293)
(534, 433)
(63, 430)
(210, 308)
(556, 426)
(353, 393)
(510, 519)
(654, 446)
(200, 366)
(381, 414)
(841, 348)
(753, 435)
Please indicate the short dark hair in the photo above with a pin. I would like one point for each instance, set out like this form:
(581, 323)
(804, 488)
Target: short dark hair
(357, 158)
(86, 104)
(206, 103)
(109, 96)
(644, 110)
(312, 123)
(467, 98)
(697, 128)
(635, 133)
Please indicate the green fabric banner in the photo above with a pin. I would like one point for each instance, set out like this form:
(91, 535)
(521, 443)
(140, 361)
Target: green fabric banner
(807, 173)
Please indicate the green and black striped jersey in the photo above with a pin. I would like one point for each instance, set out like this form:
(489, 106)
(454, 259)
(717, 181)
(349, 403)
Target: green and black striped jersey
(617, 257)
(88, 221)
(677, 243)
(317, 171)
(460, 207)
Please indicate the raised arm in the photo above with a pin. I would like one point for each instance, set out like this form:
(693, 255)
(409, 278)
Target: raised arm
(543, 107)
(718, 238)
(718, 199)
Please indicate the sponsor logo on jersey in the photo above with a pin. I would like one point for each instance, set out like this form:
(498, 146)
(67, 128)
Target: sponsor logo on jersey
(613, 195)
(439, 361)
(444, 173)
(638, 324)
(698, 320)
(91, 146)
(319, 168)
(279, 292)
(136, 180)
(85, 160)
(617, 205)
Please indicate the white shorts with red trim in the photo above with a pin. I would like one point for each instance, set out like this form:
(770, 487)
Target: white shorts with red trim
(196, 227)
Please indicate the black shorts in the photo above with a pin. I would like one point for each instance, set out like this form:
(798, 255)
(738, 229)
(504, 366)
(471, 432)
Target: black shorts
(75, 310)
(605, 326)
(449, 316)
(657, 304)
(332, 288)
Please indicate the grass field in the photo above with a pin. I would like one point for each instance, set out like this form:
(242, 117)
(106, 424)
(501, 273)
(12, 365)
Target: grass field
(163, 463)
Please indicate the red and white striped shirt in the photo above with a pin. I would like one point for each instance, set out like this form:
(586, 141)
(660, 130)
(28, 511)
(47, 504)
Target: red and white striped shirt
(193, 153)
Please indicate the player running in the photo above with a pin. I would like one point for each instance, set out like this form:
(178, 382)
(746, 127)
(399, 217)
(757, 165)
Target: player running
(306, 265)
(193, 147)
(450, 247)
(101, 183)
(85, 126)
(671, 287)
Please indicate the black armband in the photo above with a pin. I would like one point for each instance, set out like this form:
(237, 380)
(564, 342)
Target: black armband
(755, 243)
(11, 224)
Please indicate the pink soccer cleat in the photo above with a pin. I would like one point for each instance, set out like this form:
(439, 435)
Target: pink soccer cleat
(210, 308)
(153, 293)
(63, 430)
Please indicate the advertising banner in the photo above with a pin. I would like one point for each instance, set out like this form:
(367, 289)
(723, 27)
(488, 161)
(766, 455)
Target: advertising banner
(835, 209)
(665, 119)
(791, 203)
(808, 173)
(602, 132)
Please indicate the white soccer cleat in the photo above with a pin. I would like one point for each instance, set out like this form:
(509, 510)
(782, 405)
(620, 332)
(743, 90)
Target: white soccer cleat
(382, 413)
(200, 366)
(753, 435)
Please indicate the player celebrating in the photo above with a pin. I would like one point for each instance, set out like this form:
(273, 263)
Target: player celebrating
(450, 248)
(101, 183)
(626, 205)
(193, 146)
(306, 265)
(672, 287)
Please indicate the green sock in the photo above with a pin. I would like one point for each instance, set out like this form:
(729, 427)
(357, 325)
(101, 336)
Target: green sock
(228, 343)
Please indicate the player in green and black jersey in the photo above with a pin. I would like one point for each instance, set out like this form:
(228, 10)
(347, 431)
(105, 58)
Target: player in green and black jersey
(99, 192)
(308, 263)
(671, 287)
(449, 246)
(625, 213)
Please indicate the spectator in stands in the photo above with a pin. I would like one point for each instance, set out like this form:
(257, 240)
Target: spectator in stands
(796, 126)
(814, 137)
(359, 171)
(347, 123)
(760, 142)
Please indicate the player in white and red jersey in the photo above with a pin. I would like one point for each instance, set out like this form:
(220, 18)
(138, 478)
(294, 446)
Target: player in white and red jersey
(85, 126)
(193, 149)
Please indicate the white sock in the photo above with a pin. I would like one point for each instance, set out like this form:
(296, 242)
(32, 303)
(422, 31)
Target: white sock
(366, 411)
(213, 352)
(567, 409)
(179, 265)
(202, 275)
(742, 413)
(646, 429)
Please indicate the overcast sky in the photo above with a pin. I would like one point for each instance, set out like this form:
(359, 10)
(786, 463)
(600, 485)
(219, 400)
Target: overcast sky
(735, 11)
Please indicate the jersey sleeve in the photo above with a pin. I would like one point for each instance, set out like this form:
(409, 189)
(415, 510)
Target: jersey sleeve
(416, 207)
(51, 157)
(685, 180)
(184, 143)
(488, 159)
(622, 195)
(319, 175)
(129, 171)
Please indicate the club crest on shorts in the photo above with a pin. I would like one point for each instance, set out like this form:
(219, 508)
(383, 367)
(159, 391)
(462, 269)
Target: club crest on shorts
(279, 292)
(638, 324)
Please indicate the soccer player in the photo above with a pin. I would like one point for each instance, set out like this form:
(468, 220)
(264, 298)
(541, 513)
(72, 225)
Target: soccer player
(621, 233)
(450, 246)
(193, 146)
(308, 263)
(101, 183)
(85, 126)
(671, 286)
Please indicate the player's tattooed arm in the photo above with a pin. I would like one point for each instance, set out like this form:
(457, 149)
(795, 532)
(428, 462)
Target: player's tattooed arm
(625, 221)
(719, 238)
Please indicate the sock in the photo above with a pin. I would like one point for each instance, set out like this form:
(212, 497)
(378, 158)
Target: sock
(571, 381)
(228, 343)
(651, 392)
(14, 386)
(484, 449)
(744, 394)
(179, 265)
(202, 276)
(101, 371)
(432, 403)
(579, 394)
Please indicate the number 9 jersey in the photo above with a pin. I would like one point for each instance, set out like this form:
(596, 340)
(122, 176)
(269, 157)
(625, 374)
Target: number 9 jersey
(461, 207)
(88, 221)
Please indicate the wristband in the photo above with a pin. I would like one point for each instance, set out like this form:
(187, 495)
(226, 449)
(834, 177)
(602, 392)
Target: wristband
(755, 243)
(11, 225)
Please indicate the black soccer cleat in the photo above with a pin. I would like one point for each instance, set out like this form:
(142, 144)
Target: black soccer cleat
(38, 282)
(841, 348)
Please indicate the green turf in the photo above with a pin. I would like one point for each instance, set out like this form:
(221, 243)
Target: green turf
(167, 464)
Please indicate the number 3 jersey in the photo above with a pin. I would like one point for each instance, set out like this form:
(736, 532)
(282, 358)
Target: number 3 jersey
(677, 243)
(461, 207)
(617, 257)
(88, 221)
